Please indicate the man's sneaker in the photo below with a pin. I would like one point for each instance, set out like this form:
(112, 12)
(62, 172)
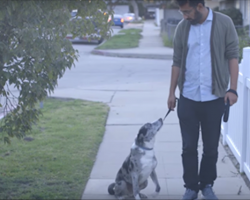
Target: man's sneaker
(190, 195)
(208, 193)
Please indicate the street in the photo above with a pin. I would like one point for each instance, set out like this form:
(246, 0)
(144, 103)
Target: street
(97, 78)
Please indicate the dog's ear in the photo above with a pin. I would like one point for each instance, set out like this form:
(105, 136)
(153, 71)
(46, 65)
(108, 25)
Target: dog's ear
(141, 135)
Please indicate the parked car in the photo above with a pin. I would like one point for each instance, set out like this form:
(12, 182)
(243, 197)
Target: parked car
(117, 20)
(129, 17)
(150, 15)
(94, 37)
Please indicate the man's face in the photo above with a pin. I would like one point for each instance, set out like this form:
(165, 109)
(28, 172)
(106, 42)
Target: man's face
(191, 14)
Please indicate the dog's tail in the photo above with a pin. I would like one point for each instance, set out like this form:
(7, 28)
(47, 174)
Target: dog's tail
(111, 189)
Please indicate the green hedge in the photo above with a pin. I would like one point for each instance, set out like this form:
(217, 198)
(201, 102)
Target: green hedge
(243, 32)
(234, 13)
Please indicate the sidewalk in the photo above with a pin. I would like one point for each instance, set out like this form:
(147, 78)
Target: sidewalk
(150, 46)
(129, 110)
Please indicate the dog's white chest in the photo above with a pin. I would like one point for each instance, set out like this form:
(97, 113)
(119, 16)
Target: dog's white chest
(148, 163)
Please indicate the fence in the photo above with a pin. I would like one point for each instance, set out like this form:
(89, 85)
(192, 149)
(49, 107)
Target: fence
(236, 132)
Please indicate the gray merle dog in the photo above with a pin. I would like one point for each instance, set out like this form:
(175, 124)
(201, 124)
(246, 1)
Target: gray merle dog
(138, 166)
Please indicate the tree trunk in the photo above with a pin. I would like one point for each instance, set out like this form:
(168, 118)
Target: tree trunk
(136, 10)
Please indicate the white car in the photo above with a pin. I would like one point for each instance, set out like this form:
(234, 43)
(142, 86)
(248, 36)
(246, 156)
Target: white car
(129, 17)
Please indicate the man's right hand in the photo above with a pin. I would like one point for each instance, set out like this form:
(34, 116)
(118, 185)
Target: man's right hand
(174, 78)
(171, 101)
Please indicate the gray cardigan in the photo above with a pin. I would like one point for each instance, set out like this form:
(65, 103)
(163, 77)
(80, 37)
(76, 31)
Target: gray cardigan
(224, 46)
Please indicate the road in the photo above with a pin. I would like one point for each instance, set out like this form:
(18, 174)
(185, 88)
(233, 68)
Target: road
(97, 78)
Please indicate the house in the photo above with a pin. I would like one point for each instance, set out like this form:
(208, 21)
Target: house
(212, 3)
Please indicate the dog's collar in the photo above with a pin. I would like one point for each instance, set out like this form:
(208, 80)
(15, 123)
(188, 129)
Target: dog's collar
(145, 148)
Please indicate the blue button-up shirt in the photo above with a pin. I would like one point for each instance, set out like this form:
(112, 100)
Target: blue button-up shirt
(198, 75)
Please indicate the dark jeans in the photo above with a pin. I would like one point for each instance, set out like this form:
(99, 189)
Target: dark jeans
(193, 116)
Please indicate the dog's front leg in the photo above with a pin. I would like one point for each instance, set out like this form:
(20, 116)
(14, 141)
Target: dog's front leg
(135, 185)
(156, 182)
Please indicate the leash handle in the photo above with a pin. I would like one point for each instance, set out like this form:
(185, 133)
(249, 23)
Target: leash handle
(226, 112)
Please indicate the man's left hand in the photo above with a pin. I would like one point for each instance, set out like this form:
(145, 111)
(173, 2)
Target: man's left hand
(232, 98)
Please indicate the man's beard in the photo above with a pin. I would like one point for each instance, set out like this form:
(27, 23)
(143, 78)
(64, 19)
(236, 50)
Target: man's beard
(197, 18)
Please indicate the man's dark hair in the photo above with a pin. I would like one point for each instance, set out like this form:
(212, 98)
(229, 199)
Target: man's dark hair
(192, 3)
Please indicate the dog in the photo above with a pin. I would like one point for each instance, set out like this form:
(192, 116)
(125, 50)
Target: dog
(138, 166)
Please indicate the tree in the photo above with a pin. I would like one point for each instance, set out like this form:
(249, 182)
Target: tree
(135, 8)
(34, 53)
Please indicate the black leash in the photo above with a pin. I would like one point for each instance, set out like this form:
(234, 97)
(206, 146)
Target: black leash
(226, 111)
(167, 114)
(169, 111)
(227, 106)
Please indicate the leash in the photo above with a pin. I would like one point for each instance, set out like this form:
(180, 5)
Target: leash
(167, 114)
(227, 106)
(169, 111)
(148, 149)
(226, 111)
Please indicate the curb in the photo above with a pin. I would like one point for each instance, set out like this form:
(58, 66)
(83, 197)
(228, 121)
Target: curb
(165, 197)
(132, 55)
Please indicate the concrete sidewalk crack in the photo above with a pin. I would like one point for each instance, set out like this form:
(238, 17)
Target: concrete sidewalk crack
(107, 90)
(111, 99)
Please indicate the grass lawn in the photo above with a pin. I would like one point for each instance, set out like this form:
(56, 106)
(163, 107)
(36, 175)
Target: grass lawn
(128, 38)
(166, 41)
(58, 162)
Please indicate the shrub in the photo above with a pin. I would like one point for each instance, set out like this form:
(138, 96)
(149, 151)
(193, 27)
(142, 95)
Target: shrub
(167, 42)
(244, 41)
(235, 15)
(243, 32)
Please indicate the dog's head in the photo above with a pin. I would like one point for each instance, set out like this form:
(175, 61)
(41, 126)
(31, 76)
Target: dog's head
(146, 135)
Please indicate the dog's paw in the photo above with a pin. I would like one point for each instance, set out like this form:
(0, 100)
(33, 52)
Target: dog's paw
(158, 189)
(143, 196)
(137, 197)
(155, 194)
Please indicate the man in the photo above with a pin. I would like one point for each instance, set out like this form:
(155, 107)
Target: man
(205, 58)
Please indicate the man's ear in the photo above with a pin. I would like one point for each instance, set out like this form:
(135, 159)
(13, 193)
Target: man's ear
(199, 6)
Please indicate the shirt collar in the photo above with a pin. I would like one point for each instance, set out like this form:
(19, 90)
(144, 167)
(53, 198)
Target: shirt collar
(210, 15)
